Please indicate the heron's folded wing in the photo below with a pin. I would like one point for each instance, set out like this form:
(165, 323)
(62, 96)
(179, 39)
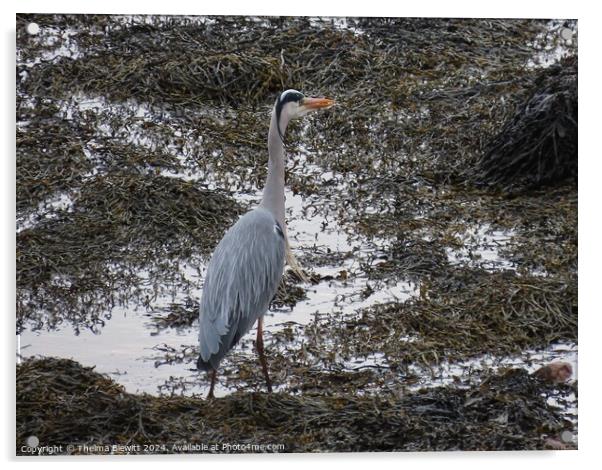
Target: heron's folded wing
(242, 278)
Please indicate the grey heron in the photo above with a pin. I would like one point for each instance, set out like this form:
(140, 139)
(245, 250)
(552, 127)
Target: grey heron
(247, 264)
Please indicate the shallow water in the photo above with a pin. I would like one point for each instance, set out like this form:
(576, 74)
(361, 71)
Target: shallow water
(480, 246)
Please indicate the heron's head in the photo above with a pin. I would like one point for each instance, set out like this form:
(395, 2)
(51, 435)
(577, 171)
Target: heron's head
(292, 104)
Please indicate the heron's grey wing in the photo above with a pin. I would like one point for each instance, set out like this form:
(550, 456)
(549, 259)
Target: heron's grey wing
(242, 278)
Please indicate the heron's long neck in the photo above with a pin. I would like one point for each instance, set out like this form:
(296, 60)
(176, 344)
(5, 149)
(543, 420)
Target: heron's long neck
(273, 193)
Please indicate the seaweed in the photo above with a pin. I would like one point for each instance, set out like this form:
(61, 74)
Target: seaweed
(538, 146)
(508, 411)
(122, 231)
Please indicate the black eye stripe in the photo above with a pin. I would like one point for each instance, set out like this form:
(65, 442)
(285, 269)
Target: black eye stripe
(290, 96)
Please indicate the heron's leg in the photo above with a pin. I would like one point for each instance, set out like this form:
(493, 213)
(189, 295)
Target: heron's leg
(259, 346)
(213, 377)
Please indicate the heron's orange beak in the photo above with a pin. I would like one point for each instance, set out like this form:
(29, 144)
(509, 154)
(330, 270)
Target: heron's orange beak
(317, 103)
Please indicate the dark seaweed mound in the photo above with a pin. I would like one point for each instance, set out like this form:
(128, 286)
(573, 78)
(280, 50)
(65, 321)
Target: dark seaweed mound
(75, 406)
(538, 146)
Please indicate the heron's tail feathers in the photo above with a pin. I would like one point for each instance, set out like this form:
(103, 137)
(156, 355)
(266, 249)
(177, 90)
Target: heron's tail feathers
(215, 356)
